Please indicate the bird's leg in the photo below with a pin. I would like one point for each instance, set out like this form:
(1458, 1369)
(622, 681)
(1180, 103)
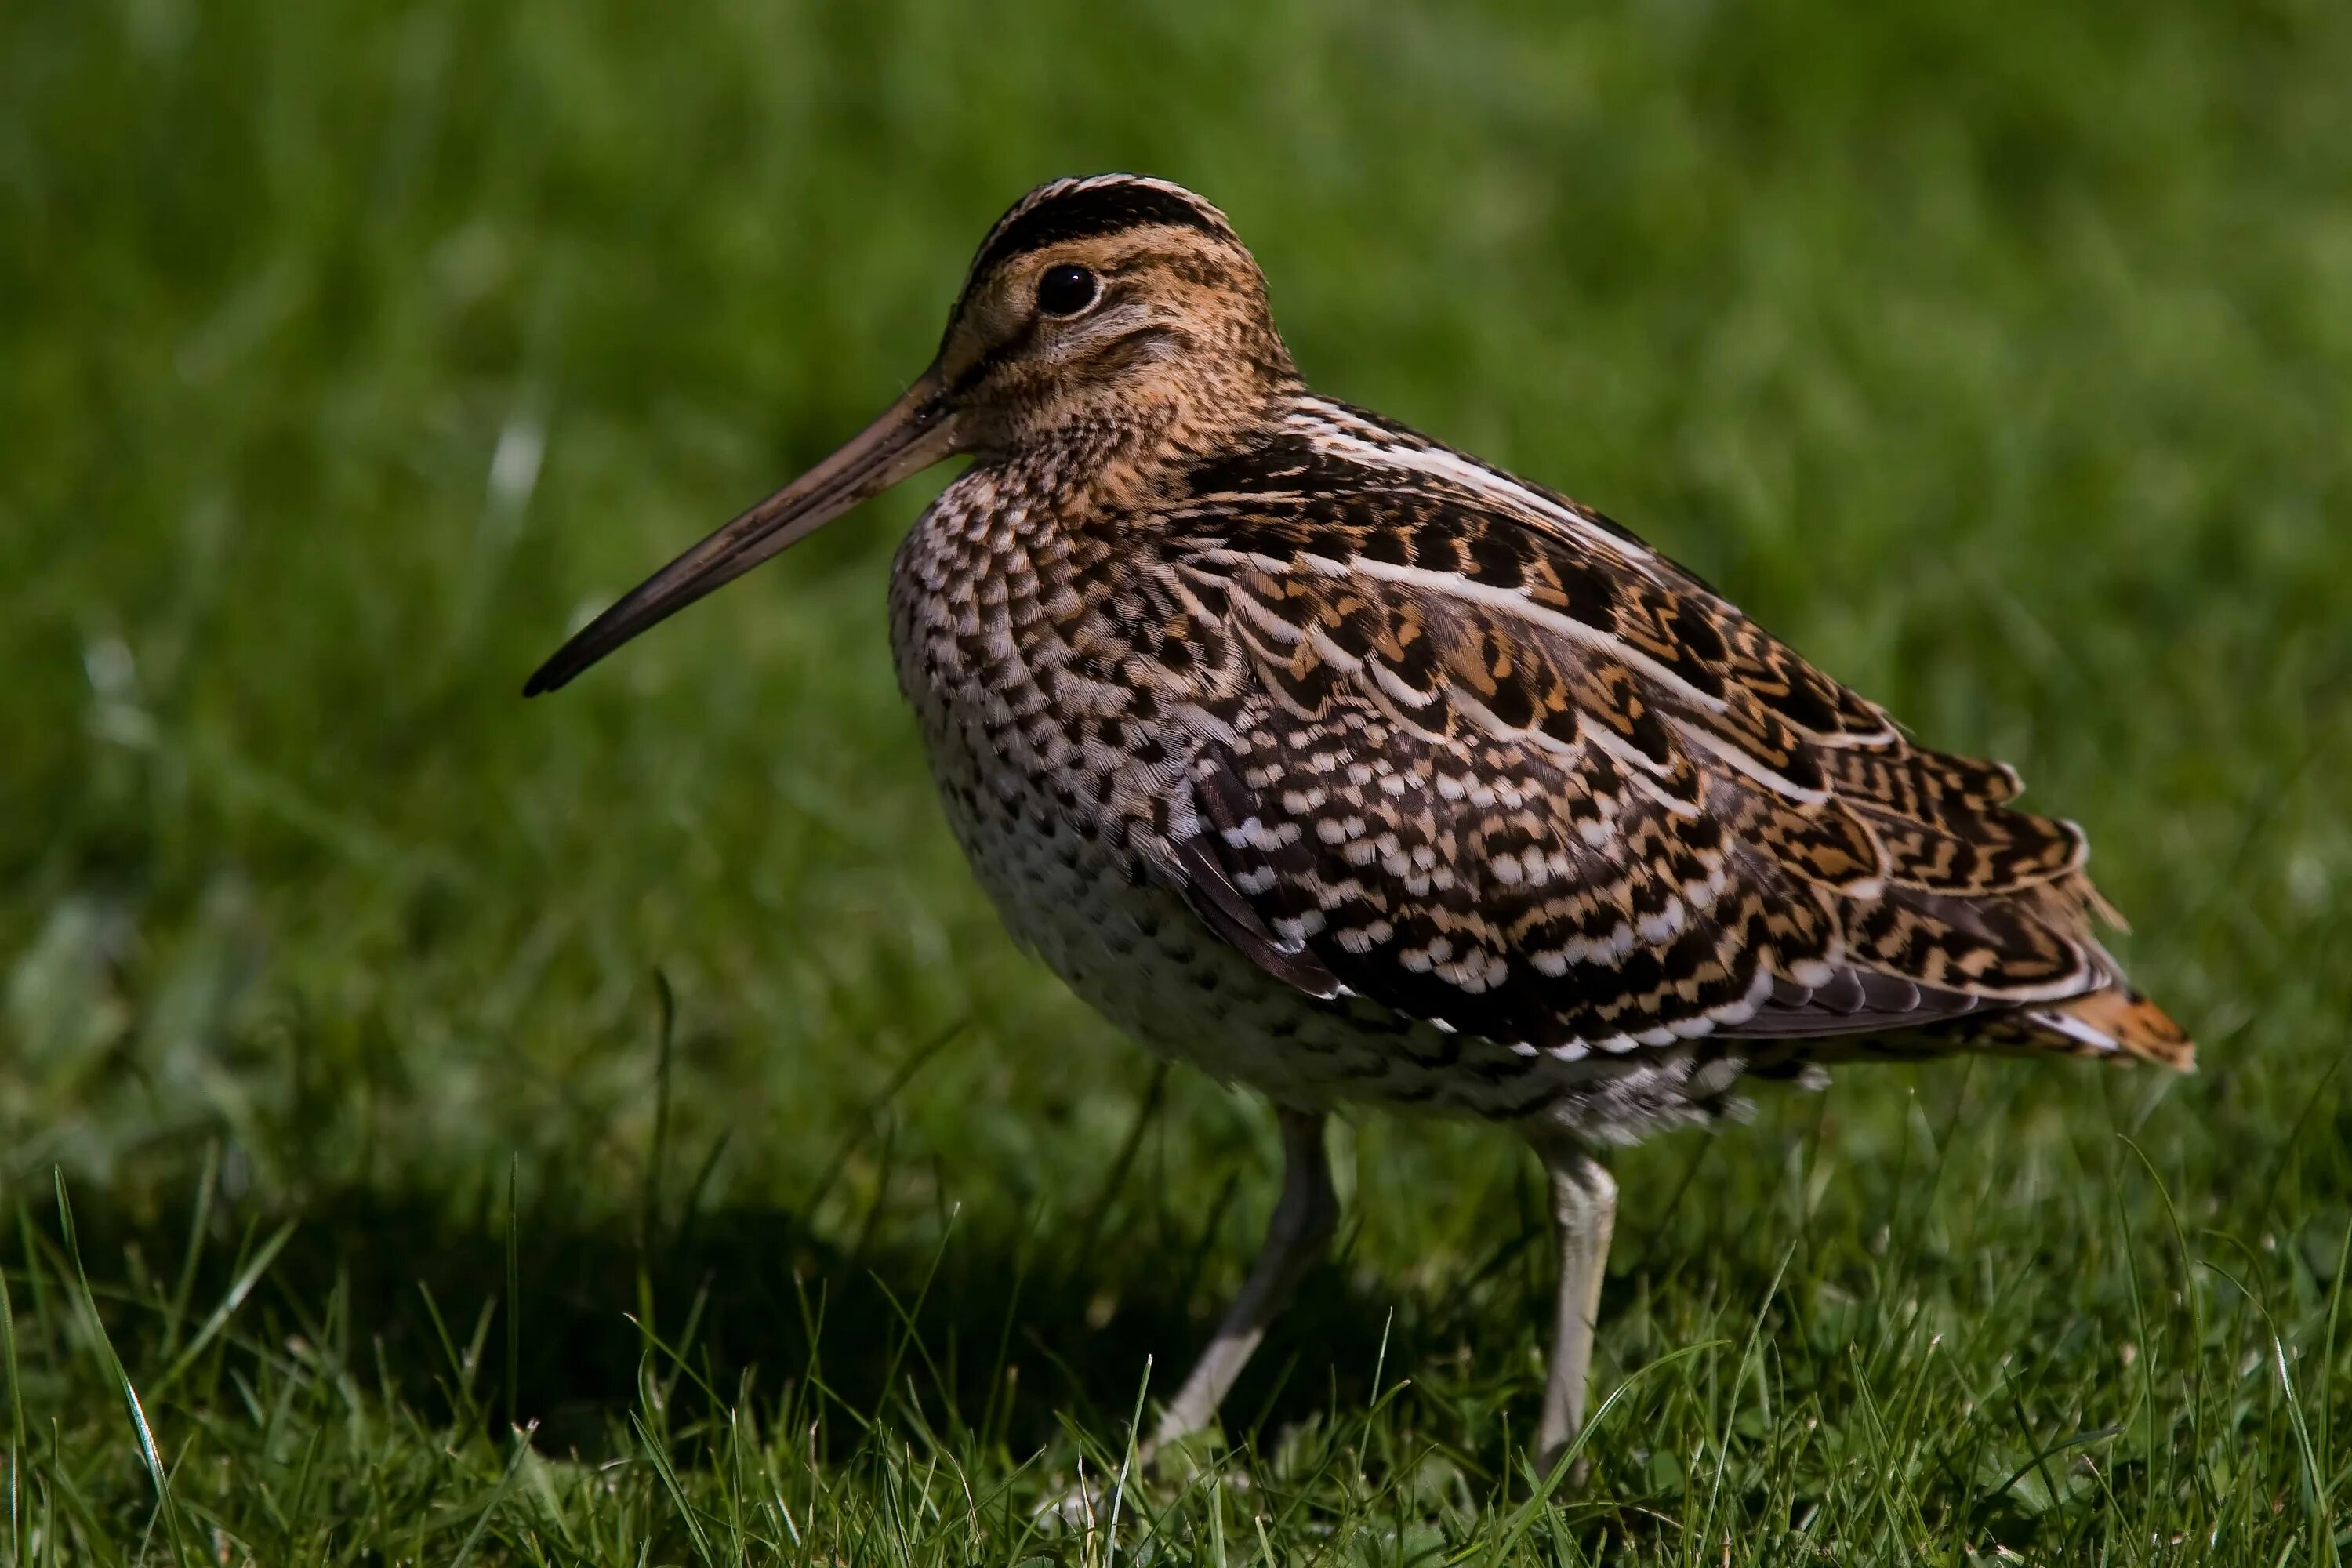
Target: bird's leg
(1296, 1241)
(1584, 1211)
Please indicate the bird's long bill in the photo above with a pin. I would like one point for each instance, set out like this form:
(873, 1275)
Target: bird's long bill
(911, 435)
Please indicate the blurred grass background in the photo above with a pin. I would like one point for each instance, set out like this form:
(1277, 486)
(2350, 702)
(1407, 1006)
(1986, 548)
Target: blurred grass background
(1995, 354)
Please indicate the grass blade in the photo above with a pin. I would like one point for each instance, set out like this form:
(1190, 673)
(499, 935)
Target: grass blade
(120, 1377)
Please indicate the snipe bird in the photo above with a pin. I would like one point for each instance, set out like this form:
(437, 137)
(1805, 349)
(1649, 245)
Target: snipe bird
(1344, 765)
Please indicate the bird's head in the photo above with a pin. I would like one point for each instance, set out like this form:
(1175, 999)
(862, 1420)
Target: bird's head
(1111, 324)
(1109, 311)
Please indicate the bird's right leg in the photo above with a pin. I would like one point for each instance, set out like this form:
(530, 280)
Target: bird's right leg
(1584, 1212)
(1296, 1241)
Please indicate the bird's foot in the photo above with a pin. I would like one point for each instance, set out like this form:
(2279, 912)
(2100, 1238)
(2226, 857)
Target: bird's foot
(1096, 1498)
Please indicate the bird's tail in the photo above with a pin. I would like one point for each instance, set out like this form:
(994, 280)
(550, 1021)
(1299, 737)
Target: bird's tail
(2116, 1021)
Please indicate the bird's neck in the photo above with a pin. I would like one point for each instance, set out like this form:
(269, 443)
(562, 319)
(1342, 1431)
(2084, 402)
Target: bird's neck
(1128, 458)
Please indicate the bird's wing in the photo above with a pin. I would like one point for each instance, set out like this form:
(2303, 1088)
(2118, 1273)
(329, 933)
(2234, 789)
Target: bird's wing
(1472, 751)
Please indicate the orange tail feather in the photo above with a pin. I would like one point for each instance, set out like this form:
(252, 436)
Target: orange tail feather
(2115, 1020)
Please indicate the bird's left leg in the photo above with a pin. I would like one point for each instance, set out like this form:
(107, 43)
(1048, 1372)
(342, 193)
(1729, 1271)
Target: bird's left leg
(1296, 1241)
(1584, 1212)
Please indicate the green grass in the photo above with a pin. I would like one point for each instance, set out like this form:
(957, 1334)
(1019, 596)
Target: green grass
(1996, 353)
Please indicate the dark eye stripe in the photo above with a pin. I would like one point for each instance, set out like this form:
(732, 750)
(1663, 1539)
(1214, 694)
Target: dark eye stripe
(1008, 349)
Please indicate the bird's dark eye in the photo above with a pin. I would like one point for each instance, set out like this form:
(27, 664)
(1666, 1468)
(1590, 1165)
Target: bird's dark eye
(1066, 290)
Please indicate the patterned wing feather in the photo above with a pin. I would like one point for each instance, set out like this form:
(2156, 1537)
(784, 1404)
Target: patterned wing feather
(1475, 752)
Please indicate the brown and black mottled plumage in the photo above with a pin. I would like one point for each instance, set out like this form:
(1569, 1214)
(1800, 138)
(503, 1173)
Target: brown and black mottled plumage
(1348, 766)
(1399, 724)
